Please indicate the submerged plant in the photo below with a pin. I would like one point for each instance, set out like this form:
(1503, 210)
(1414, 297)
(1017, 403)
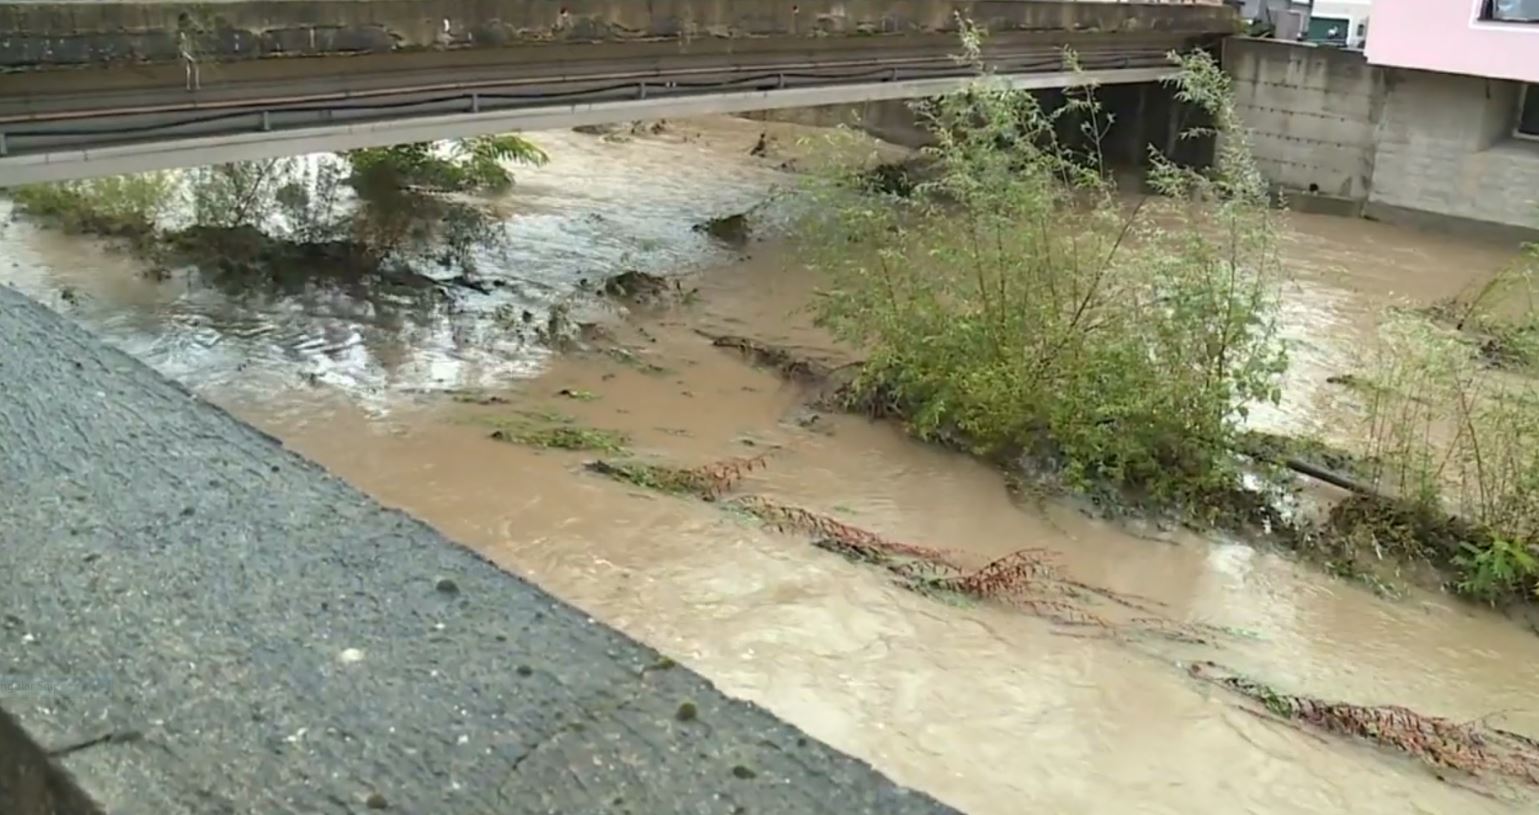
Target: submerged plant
(561, 437)
(1473, 748)
(1027, 579)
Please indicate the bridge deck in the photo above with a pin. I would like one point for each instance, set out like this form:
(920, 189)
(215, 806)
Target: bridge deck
(216, 626)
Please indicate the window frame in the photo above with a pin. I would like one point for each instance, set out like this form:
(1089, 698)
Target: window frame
(1485, 14)
(1528, 93)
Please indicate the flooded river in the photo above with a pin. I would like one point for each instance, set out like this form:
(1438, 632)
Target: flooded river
(989, 709)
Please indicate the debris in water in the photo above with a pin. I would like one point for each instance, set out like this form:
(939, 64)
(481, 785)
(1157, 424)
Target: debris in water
(637, 287)
(785, 362)
(729, 229)
(1027, 579)
(631, 358)
(476, 398)
(833, 534)
(1473, 747)
(707, 482)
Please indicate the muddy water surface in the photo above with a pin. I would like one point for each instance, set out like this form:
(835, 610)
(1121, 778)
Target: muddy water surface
(989, 709)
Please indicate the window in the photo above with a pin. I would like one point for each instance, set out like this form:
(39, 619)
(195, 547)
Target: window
(1510, 11)
(1329, 30)
(1528, 112)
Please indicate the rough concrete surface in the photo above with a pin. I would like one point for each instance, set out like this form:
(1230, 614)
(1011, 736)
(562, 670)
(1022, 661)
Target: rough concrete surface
(47, 34)
(198, 621)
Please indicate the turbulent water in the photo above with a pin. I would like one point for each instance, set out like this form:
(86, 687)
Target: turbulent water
(988, 708)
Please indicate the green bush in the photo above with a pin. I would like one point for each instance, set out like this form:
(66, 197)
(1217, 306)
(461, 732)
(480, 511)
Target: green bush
(470, 165)
(118, 206)
(1019, 303)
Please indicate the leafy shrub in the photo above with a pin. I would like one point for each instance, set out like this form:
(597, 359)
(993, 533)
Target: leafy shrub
(468, 165)
(1018, 303)
(121, 206)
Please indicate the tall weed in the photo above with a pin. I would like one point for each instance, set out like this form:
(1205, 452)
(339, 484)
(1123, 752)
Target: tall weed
(1452, 437)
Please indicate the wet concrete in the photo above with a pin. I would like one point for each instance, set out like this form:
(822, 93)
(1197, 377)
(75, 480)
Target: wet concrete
(207, 623)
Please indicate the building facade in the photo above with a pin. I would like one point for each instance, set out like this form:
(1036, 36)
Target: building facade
(1437, 120)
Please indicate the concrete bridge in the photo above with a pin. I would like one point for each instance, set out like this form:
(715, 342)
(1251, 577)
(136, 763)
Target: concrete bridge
(111, 87)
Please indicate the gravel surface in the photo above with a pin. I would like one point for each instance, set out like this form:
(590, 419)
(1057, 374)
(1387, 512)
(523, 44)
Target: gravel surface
(199, 621)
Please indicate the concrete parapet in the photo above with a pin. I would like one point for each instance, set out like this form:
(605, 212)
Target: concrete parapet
(47, 34)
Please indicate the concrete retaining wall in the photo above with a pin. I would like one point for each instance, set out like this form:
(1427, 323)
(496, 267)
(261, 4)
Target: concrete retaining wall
(1445, 145)
(64, 33)
(1311, 114)
(891, 120)
(1339, 134)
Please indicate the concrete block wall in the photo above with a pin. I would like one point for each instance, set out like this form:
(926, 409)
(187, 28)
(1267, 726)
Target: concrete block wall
(1310, 112)
(1445, 145)
(1392, 143)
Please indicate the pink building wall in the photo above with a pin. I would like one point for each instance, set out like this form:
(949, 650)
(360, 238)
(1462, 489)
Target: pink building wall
(1448, 36)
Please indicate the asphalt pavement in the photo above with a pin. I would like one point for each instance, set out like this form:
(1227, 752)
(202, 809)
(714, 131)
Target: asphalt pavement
(195, 620)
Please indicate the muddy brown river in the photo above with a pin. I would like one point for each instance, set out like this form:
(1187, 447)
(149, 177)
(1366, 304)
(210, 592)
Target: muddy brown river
(989, 709)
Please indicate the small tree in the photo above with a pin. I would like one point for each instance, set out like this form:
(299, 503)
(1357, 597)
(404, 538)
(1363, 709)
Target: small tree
(1018, 302)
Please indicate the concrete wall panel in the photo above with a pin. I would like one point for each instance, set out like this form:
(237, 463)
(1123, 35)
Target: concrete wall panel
(1446, 146)
(63, 33)
(1310, 112)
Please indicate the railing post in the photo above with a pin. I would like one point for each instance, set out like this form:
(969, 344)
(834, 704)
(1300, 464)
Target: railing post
(475, 103)
(267, 123)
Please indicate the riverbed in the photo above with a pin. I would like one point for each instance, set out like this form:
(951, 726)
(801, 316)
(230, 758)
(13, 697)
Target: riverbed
(989, 709)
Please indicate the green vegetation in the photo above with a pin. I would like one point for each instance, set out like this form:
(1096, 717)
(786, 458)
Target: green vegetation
(551, 429)
(560, 436)
(1458, 444)
(1015, 303)
(126, 206)
(1498, 571)
(1500, 315)
(471, 165)
(285, 225)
